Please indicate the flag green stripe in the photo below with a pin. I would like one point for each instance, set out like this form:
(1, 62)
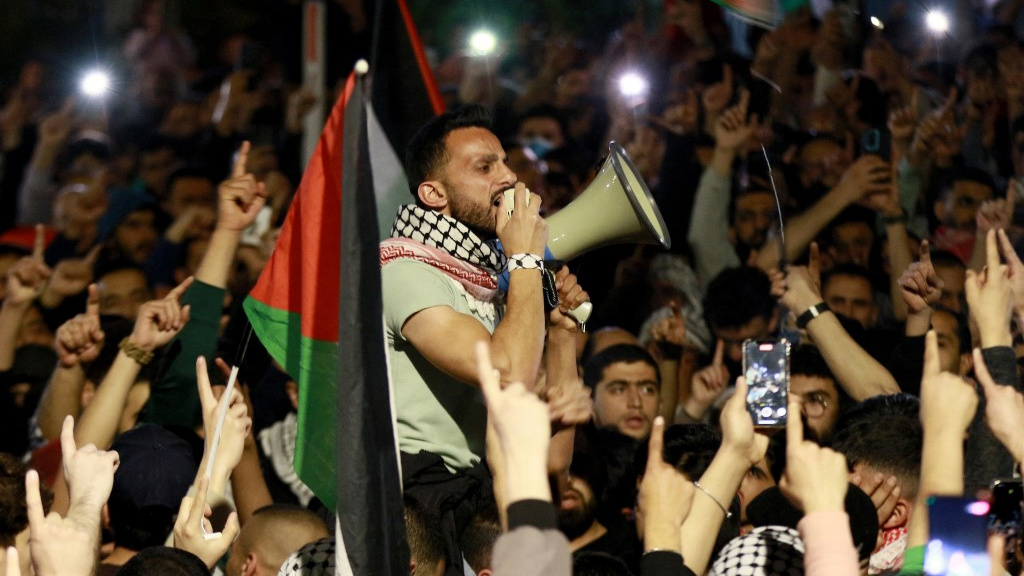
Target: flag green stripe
(313, 364)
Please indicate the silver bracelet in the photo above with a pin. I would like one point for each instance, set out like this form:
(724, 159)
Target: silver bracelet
(713, 499)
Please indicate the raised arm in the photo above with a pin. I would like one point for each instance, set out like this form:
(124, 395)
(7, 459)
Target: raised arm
(816, 481)
(78, 341)
(867, 176)
(173, 400)
(709, 225)
(520, 423)
(568, 399)
(446, 337)
(25, 281)
(157, 323)
(664, 501)
(860, 375)
(948, 404)
(741, 448)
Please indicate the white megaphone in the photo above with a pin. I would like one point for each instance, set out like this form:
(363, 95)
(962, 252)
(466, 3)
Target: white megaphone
(616, 208)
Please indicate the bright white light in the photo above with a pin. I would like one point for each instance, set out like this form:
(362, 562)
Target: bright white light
(482, 42)
(877, 23)
(937, 21)
(632, 85)
(95, 83)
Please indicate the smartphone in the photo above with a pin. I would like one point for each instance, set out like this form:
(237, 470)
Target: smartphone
(876, 142)
(766, 368)
(958, 541)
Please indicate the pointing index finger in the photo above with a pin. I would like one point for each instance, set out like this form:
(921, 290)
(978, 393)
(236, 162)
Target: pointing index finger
(36, 516)
(654, 445)
(241, 160)
(718, 359)
(67, 438)
(925, 253)
(92, 305)
(39, 248)
(180, 289)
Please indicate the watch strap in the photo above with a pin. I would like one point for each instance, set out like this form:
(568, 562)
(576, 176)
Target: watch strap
(810, 314)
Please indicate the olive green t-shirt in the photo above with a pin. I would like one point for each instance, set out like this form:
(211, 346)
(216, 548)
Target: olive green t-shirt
(435, 412)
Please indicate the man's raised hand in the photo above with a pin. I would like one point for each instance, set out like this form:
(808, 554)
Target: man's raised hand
(665, 496)
(27, 278)
(189, 536)
(816, 478)
(159, 321)
(920, 286)
(241, 197)
(1004, 409)
(948, 402)
(81, 339)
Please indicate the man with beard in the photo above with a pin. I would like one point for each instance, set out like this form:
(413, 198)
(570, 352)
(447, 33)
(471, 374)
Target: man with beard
(578, 515)
(440, 294)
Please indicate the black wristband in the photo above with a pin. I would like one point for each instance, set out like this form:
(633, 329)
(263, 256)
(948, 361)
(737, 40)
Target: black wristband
(810, 314)
(537, 513)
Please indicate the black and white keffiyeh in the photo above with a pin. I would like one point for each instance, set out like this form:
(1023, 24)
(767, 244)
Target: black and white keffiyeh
(448, 234)
(765, 551)
(314, 559)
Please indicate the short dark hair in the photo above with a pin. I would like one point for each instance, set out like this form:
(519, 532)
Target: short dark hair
(426, 153)
(189, 172)
(546, 111)
(847, 269)
(967, 174)
(13, 511)
(885, 433)
(593, 370)
(737, 296)
(477, 540)
(423, 529)
(164, 561)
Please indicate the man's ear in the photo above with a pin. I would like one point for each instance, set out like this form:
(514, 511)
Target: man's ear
(250, 564)
(412, 567)
(484, 572)
(433, 195)
(900, 515)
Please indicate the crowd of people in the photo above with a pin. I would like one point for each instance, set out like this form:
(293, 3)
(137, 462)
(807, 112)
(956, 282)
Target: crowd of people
(847, 181)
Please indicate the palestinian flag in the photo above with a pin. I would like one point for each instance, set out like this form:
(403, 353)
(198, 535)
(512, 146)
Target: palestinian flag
(317, 310)
(403, 95)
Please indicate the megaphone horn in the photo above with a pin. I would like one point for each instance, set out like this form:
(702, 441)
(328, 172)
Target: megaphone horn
(616, 208)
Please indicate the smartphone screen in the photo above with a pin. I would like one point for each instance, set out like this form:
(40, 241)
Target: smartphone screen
(957, 544)
(766, 368)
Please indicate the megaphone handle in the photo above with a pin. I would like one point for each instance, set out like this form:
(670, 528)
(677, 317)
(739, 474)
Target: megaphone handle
(581, 314)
